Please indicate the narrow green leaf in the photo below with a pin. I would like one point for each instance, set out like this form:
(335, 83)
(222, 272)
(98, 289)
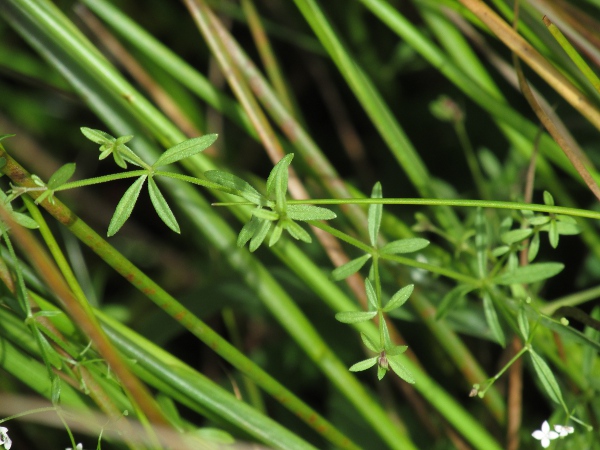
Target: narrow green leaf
(387, 340)
(451, 298)
(355, 316)
(534, 247)
(265, 214)
(309, 212)
(371, 295)
(399, 298)
(546, 377)
(363, 365)
(248, 230)
(297, 232)
(538, 220)
(553, 234)
(260, 235)
(381, 371)
(567, 228)
(514, 236)
(61, 176)
(396, 350)
(278, 178)
(351, 267)
(481, 243)
(375, 214)
(230, 181)
(523, 322)
(49, 352)
(161, 206)
(275, 234)
(408, 245)
(24, 220)
(492, 319)
(499, 251)
(125, 206)
(548, 199)
(56, 389)
(369, 343)
(530, 273)
(97, 136)
(185, 149)
(400, 370)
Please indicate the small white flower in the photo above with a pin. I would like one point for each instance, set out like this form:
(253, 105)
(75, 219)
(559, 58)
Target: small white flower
(4, 439)
(563, 430)
(545, 434)
(78, 447)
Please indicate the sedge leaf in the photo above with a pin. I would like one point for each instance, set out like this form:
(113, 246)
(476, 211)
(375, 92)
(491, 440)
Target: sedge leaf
(161, 206)
(125, 206)
(351, 267)
(61, 176)
(399, 298)
(355, 316)
(309, 212)
(408, 245)
(375, 214)
(530, 273)
(546, 377)
(185, 149)
(364, 365)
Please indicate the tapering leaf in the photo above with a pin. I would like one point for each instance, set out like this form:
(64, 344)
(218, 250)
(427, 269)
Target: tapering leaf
(492, 319)
(97, 136)
(364, 365)
(260, 235)
(230, 181)
(185, 149)
(400, 370)
(546, 377)
(548, 199)
(396, 350)
(61, 176)
(451, 298)
(355, 316)
(125, 206)
(24, 220)
(374, 215)
(553, 234)
(514, 236)
(309, 212)
(369, 343)
(5, 136)
(530, 273)
(297, 232)
(371, 295)
(56, 390)
(523, 322)
(408, 245)
(265, 214)
(277, 182)
(248, 230)
(534, 247)
(275, 234)
(399, 298)
(351, 267)
(161, 206)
